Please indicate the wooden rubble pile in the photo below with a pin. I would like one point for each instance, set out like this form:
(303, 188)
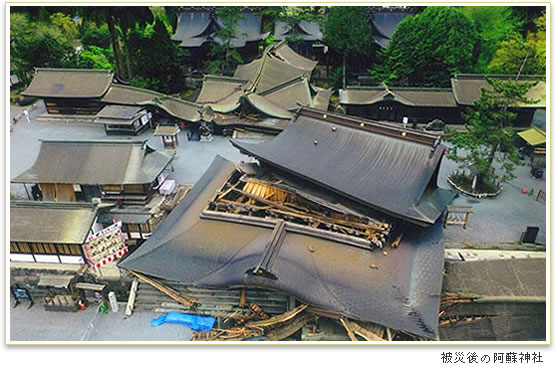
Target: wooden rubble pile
(271, 198)
(250, 321)
(448, 301)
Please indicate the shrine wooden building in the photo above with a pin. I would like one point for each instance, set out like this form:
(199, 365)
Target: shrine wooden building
(423, 105)
(50, 232)
(126, 172)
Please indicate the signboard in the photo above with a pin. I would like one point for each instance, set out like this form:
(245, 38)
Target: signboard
(105, 246)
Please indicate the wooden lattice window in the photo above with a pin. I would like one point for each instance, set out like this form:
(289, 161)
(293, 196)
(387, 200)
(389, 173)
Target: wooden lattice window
(75, 249)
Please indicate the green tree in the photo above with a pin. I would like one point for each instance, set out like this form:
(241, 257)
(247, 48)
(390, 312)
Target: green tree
(46, 46)
(223, 56)
(97, 36)
(346, 30)
(428, 47)
(95, 57)
(107, 14)
(522, 55)
(65, 24)
(488, 135)
(156, 59)
(293, 15)
(494, 24)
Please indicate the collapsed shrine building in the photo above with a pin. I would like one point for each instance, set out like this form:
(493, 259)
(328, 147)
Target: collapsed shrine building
(352, 232)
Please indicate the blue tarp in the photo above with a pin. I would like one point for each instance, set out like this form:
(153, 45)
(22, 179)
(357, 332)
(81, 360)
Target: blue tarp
(197, 323)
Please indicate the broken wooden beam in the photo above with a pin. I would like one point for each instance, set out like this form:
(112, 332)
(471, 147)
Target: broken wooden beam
(282, 318)
(349, 331)
(189, 302)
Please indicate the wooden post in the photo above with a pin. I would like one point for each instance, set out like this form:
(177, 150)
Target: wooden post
(466, 220)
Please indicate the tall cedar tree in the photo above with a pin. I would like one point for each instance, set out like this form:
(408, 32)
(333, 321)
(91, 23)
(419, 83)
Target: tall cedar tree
(488, 135)
(428, 47)
(346, 31)
(494, 24)
(157, 65)
(223, 57)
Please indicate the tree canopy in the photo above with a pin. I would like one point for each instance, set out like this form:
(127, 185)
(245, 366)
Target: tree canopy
(493, 24)
(522, 54)
(488, 135)
(156, 60)
(47, 46)
(428, 47)
(346, 30)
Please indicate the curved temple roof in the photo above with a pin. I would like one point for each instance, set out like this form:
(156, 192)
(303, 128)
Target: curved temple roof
(95, 162)
(69, 83)
(176, 107)
(390, 169)
(196, 28)
(304, 30)
(401, 291)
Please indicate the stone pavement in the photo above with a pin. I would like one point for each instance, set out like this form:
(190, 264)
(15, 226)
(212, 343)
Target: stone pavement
(37, 324)
(501, 219)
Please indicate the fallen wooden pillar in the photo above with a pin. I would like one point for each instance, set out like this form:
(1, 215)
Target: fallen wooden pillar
(349, 331)
(282, 318)
(189, 302)
(131, 299)
(282, 331)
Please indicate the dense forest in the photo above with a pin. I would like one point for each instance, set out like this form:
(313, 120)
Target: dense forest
(427, 47)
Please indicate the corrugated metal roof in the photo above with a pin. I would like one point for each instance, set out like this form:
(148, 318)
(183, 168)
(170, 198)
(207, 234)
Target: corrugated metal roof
(402, 292)
(51, 222)
(467, 88)
(386, 168)
(95, 162)
(69, 83)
